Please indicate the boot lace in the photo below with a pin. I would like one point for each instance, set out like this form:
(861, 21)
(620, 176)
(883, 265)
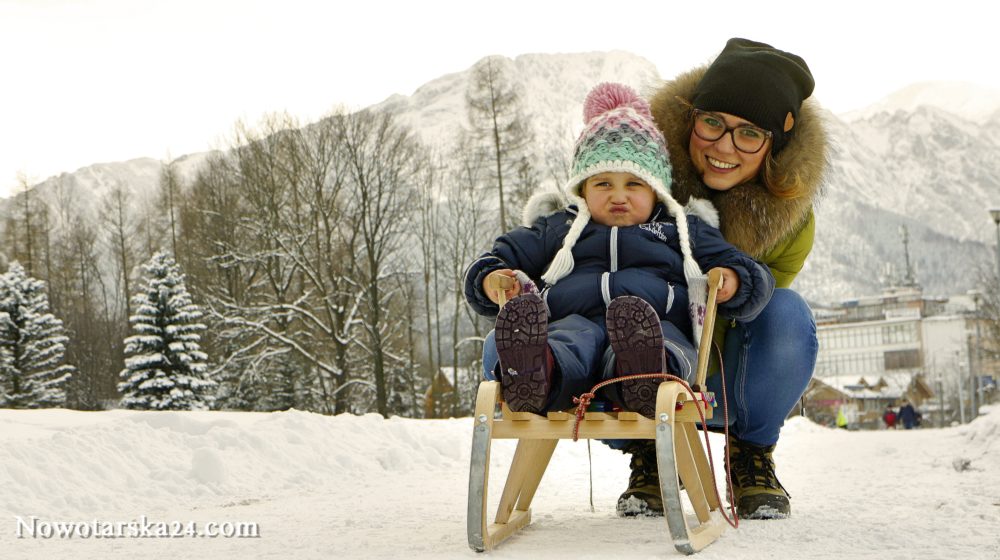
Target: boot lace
(754, 467)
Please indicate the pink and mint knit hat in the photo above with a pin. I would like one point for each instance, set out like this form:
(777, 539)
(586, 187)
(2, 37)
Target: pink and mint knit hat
(620, 136)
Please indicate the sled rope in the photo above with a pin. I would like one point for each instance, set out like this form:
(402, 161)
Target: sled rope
(584, 400)
(735, 521)
(590, 465)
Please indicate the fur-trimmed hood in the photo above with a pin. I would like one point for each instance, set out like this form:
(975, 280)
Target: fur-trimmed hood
(751, 217)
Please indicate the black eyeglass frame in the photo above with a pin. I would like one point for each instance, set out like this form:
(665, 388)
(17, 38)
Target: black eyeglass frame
(730, 129)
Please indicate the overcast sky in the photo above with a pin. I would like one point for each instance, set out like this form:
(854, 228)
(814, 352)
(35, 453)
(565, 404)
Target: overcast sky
(109, 80)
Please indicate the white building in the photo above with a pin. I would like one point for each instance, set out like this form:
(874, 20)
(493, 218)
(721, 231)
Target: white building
(901, 336)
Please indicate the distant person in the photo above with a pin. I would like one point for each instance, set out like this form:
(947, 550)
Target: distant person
(842, 418)
(744, 135)
(889, 417)
(908, 416)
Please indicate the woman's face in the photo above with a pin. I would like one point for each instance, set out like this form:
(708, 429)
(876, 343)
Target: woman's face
(719, 163)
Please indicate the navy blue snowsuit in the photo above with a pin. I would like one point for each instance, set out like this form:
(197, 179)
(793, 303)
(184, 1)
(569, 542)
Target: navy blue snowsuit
(643, 260)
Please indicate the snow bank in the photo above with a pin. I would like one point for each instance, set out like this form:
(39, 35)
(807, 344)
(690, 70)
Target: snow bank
(68, 463)
(368, 487)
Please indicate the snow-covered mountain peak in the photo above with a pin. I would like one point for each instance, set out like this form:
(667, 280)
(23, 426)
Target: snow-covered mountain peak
(552, 88)
(970, 101)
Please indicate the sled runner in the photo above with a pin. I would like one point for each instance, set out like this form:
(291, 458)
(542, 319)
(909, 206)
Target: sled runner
(679, 452)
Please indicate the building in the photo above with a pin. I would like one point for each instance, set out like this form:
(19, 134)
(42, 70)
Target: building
(862, 400)
(877, 350)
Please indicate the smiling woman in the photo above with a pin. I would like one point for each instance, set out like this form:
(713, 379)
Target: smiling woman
(756, 148)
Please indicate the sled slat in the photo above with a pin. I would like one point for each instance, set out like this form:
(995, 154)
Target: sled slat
(596, 425)
(701, 461)
(497, 533)
(689, 473)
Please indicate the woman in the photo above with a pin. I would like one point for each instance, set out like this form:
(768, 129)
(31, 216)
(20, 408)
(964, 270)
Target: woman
(743, 135)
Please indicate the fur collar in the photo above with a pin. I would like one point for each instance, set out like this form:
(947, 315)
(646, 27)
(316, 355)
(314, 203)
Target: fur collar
(542, 204)
(751, 217)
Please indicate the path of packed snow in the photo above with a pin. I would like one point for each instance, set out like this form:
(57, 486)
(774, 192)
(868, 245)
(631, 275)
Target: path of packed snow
(350, 487)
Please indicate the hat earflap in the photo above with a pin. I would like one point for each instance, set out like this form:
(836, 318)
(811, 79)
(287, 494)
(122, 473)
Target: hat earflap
(563, 263)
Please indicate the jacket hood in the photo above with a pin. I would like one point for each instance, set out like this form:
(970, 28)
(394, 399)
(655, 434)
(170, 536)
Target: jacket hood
(546, 203)
(750, 216)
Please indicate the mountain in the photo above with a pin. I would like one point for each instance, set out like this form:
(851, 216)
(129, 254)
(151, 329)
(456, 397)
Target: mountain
(552, 86)
(916, 159)
(972, 102)
(928, 170)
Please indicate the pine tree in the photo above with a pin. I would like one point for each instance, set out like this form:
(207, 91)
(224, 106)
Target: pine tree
(32, 344)
(164, 365)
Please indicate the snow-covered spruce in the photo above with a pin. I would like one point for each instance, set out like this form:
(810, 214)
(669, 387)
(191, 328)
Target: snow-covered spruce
(164, 365)
(32, 344)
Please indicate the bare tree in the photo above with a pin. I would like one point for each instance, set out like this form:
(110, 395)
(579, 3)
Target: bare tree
(463, 237)
(120, 228)
(384, 165)
(497, 123)
(26, 228)
(427, 221)
(169, 199)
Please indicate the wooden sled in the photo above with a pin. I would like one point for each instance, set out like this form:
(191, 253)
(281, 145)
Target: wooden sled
(679, 452)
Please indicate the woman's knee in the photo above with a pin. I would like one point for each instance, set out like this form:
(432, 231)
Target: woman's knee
(786, 312)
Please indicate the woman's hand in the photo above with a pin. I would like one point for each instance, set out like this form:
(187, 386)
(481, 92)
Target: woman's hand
(730, 284)
(494, 284)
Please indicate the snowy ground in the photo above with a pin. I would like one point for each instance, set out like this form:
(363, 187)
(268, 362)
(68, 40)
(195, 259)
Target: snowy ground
(363, 487)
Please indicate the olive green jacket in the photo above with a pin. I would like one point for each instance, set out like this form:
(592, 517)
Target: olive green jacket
(776, 231)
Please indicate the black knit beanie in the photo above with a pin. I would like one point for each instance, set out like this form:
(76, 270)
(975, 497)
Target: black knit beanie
(759, 83)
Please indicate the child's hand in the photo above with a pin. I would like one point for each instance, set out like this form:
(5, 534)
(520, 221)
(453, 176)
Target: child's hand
(730, 284)
(492, 282)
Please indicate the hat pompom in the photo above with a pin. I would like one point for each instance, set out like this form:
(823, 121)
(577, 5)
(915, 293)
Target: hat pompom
(609, 96)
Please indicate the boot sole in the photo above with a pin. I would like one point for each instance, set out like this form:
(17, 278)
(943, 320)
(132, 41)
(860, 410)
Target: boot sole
(637, 340)
(635, 506)
(521, 338)
(765, 507)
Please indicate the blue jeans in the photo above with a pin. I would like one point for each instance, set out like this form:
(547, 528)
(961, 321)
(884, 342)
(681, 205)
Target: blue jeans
(768, 363)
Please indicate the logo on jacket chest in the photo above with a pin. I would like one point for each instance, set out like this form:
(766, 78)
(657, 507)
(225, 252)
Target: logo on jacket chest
(657, 230)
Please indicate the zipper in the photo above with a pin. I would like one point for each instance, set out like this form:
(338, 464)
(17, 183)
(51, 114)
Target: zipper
(614, 249)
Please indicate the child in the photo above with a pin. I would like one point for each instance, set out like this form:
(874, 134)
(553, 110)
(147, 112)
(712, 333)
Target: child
(612, 264)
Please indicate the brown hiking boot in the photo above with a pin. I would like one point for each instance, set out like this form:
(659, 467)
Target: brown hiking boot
(525, 359)
(759, 494)
(642, 499)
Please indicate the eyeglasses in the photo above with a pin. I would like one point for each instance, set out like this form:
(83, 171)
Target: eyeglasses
(747, 138)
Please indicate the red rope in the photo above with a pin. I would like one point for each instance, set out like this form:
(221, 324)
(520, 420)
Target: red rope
(735, 521)
(583, 400)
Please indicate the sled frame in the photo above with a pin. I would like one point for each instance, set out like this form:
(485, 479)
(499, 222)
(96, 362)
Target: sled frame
(679, 453)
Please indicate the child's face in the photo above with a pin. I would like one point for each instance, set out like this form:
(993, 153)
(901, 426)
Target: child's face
(618, 199)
